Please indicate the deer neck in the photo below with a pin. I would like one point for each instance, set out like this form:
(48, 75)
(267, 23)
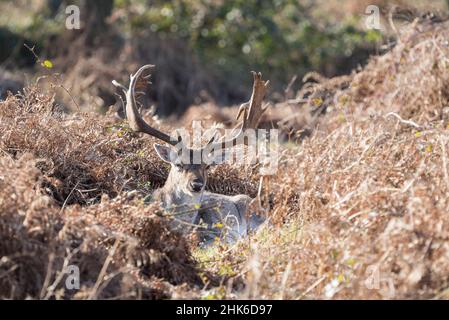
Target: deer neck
(173, 195)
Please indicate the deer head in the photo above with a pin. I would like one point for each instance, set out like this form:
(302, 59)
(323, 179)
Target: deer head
(186, 175)
(189, 166)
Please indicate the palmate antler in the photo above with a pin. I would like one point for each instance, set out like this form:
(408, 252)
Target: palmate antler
(136, 122)
(252, 112)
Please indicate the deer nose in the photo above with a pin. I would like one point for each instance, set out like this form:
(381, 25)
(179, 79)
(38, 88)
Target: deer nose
(197, 185)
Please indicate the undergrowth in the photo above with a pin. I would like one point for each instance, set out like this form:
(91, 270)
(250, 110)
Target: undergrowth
(358, 208)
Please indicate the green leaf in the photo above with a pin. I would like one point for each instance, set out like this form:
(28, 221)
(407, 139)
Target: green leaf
(47, 64)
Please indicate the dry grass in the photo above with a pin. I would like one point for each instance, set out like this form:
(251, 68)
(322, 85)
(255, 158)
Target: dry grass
(121, 247)
(358, 208)
(366, 197)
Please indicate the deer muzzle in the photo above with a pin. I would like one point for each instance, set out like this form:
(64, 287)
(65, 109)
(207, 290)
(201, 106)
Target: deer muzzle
(196, 185)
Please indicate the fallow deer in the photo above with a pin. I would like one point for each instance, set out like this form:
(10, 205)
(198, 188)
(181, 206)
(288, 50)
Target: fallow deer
(183, 194)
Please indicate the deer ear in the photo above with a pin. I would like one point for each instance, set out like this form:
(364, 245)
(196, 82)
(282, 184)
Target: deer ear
(165, 153)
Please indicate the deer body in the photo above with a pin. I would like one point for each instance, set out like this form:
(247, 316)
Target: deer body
(183, 195)
(213, 215)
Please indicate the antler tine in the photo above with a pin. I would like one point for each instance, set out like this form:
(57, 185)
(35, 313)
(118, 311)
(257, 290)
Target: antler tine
(136, 122)
(255, 105)
(252, 112)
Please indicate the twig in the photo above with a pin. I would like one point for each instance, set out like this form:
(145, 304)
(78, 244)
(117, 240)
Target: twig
(444, 156)
(285, 278)
(186, 211)
(103, 270)
(408, 122)
(51, 289)
(45, 286)
(70, 95)
(391, 22)
(315, 284)
(32, 51)
(60, 85)
(68, 197)
(14, 267)
(289, 86)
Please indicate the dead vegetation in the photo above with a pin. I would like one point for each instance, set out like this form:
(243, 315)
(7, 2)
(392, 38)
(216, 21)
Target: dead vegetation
(81, 179)
(358, 208)
(122, 248)
(366, 196)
